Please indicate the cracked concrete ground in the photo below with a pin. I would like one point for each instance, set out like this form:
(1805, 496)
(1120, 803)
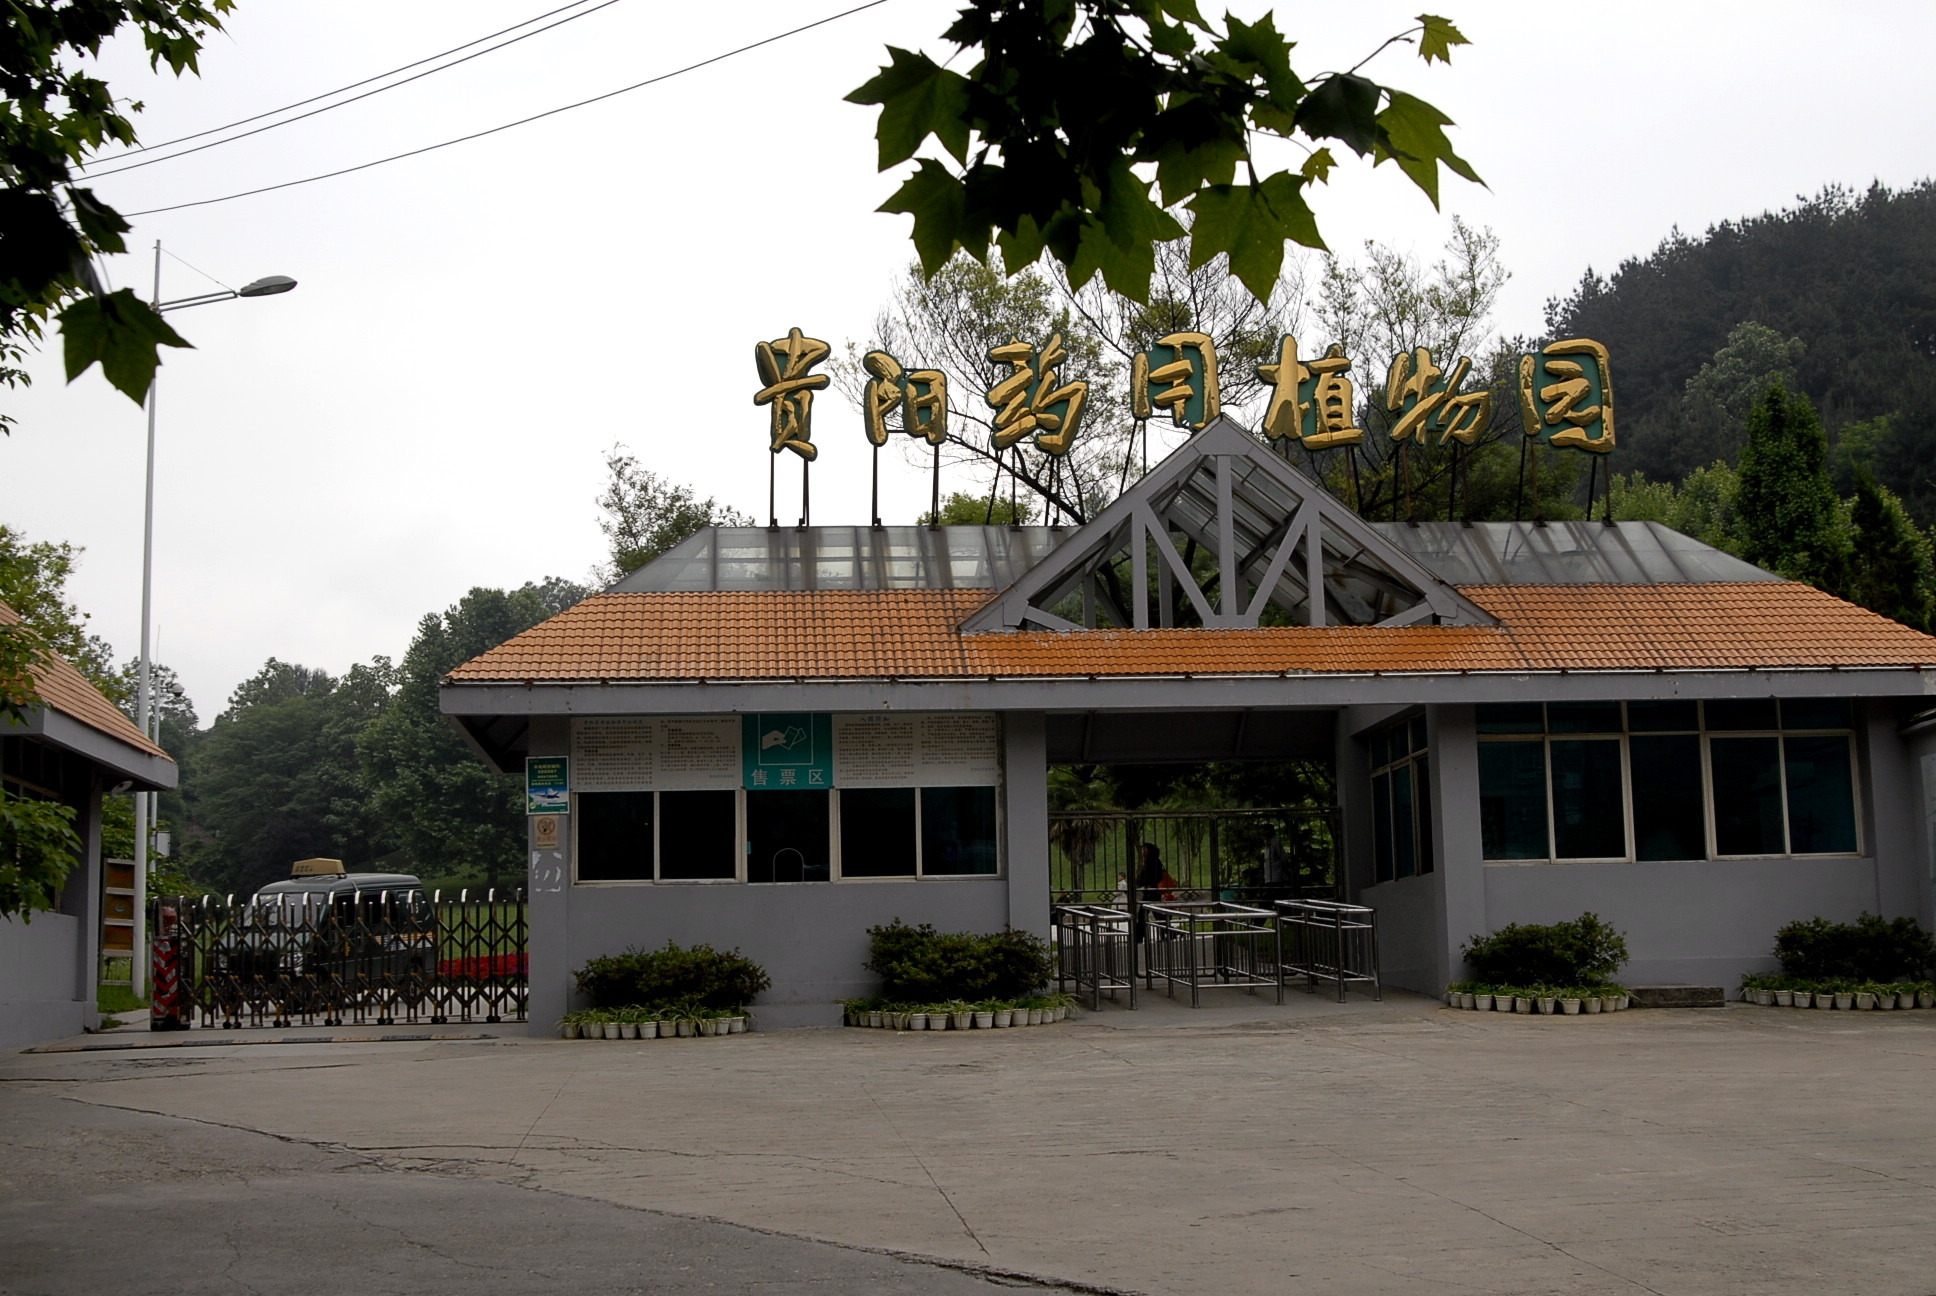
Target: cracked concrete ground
(1245, 1148)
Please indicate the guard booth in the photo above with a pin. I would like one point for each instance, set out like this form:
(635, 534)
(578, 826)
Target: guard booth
(775, 738)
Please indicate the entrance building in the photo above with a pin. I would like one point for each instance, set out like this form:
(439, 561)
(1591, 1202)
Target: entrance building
(778, 737)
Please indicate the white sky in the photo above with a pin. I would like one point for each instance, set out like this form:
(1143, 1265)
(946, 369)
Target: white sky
(427, 412)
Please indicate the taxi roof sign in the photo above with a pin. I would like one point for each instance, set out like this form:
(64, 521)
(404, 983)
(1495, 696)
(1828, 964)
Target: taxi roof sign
(317, 868)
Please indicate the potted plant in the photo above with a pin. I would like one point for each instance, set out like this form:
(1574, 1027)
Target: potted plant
(1570, 1003)
(961, 1016)
(984, 1017)
(1545, 1002)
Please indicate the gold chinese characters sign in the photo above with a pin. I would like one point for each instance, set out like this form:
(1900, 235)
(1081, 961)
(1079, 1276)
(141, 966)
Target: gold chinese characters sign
(921, 396)
(1033, 399)
(1310, 402)
(1566, 395)
(788, 387)
(1178, 373)
(1428, 402)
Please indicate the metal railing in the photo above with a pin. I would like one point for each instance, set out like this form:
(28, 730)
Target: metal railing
(1208, 944)
(379, 958)
(1211, 942)
(1328, 941)
(1093, 950)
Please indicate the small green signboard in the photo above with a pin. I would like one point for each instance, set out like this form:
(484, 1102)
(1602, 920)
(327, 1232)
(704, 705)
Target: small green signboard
(547, 785)
(787, 750)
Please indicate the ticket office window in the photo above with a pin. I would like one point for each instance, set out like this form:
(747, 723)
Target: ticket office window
(657, 836)
(787, 835)
(1401, 802)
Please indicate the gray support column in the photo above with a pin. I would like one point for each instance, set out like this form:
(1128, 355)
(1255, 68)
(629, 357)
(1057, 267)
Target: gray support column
(1891, 806)
(1456, 842)
(80, 897)
(549, 889)
(1354, 804)
(1026, 794)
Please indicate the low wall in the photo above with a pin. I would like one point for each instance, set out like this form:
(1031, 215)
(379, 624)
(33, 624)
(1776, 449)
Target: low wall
(1696, 922)
(37, 980)
(810, 937)
(1409, 954)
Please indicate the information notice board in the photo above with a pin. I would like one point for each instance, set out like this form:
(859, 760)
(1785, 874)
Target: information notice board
(690, 753)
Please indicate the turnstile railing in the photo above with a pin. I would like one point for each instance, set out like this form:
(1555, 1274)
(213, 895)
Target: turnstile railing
(1207, 944)
(1094, 951)
(1211, 942)
(1325, 940)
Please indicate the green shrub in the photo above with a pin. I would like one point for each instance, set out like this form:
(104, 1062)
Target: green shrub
(922, 965)
(1868, 949)
(700, 975)
(1583, 952)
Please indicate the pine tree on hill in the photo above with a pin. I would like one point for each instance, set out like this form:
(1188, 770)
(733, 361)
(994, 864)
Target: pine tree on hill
(1891, 570)
(1790, 520)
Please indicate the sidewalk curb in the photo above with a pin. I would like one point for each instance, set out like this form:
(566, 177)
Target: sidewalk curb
(230, 1042)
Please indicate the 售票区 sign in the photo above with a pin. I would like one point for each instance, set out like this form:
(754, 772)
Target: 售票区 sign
(786, 751)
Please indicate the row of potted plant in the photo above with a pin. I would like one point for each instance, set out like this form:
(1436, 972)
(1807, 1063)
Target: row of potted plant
(882, 1014)
(661, 1021)
(1552, 1001)
(1834, 992)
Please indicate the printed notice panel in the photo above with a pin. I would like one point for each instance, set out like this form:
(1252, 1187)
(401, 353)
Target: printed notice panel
(915, 749)
(780, 750)
(654, 753)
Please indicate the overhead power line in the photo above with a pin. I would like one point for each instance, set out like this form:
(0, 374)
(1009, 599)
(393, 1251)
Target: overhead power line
(522, 121)
(170, 157)
(328, 94)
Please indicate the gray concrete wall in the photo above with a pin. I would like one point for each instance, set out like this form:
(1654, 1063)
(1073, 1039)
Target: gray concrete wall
(1409, 924)
(37, 980)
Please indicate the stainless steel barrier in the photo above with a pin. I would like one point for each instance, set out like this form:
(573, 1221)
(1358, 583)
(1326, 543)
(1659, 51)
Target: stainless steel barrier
(1213, 943)
(1324, 940)
(1093, 949)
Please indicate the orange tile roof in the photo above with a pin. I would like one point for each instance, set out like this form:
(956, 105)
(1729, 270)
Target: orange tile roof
(910, 634)
(66, 690)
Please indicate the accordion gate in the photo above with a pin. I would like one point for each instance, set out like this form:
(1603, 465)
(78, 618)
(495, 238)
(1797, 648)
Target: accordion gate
(379, 958)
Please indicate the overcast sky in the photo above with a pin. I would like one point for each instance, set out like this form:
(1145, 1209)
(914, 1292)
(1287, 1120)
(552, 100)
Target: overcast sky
(427, 412)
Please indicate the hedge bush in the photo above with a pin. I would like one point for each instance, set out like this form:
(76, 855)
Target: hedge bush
(1868, 949)
(700, 975)
(922, 965)
(1583, 952)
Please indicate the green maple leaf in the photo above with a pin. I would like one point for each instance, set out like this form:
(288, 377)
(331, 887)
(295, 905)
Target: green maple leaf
(1342, 107)
(1182, 169)
(1414, 139)
(1251, 223)
(123, 333)
(938, 203)
(1318, 166)
(1262, 46)
(1438, 38)
(918, 98)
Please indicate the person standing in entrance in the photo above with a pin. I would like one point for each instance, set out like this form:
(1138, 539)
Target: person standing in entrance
(1149, 885)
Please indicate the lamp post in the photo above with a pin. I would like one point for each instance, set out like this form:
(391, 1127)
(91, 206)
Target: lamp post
(144, 691)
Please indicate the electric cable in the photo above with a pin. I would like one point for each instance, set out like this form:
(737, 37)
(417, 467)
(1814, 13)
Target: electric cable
(522, 121)
(341, 103)
(216, 130)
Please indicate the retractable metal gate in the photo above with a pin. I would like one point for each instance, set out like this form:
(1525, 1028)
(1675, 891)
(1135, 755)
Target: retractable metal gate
(379, 958)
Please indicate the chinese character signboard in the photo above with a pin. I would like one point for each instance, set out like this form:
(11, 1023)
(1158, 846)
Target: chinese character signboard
(786, 385)
(1566, 395)
(1427, 402)
(1033, 400)
(921, 396)
(1178, 373)
(1313, 402)
(547, 785)
(787, 751)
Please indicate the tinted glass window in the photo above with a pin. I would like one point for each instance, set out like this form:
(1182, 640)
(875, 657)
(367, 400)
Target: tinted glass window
(1381, 836)
(614, 836)
(1658, 717)
(1589, 806)
(1752, 713)
(1747, 795)
(1418, 734)
(698, 835)
(1404, 852)
(876, 832)
(788, 835)
(1583, 717)
(1821, 796)
(1512, 800)
(1510, 718)
(1817, 713)
(1381, 749)
(1667, 797)
(1423, 789)
(957, 830)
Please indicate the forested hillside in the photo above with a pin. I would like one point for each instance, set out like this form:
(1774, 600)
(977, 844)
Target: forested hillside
(1850, 276)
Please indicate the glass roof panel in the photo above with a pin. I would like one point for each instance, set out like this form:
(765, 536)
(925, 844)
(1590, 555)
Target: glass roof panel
(901, 557)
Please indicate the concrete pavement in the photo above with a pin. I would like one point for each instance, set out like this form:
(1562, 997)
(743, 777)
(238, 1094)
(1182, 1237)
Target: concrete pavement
(1244, 1148)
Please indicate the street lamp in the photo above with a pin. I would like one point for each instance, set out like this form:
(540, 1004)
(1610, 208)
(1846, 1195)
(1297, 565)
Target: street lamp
(145, 715)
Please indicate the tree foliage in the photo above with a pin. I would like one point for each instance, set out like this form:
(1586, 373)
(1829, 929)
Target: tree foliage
(38, 849)
(1791, 521)
(33, 582)
(54, 113)
(1851, 276)
(646, 514)
(1075, 109)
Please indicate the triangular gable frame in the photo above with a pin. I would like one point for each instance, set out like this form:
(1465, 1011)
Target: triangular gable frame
(1137, 521)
